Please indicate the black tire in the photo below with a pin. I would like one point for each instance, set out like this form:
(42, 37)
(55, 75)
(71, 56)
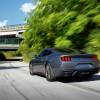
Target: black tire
(49, 73)
(31, 69)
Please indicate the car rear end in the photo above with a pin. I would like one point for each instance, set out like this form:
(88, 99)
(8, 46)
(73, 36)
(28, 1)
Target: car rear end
(82, 64)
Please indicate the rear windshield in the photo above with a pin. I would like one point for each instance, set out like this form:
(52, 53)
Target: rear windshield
(71, 51)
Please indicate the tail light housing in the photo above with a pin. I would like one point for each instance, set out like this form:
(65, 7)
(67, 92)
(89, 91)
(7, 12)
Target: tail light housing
(94, 58)
(65, 58)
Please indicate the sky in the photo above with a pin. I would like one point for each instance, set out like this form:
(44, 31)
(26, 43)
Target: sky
(15, 11)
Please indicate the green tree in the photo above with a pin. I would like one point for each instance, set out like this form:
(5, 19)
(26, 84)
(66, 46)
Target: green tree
(62, 24)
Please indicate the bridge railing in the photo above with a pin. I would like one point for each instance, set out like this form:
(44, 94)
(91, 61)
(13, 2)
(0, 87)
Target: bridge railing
(12, 27)
(9, 40)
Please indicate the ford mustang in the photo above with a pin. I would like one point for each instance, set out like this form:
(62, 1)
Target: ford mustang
(55, 63)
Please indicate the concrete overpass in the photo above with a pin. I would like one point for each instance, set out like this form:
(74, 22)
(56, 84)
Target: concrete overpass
(11, 36)
(9, 47)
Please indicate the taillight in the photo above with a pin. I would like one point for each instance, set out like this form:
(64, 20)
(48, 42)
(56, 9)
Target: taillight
(65, 58)
(94, 57)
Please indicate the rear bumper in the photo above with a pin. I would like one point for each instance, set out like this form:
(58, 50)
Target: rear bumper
(72, 68)
(61, 73)
(86, 72)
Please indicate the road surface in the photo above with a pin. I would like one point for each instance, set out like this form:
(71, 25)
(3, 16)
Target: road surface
(17, 84)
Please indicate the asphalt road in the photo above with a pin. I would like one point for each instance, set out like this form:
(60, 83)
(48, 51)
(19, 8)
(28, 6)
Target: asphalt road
(17, 84)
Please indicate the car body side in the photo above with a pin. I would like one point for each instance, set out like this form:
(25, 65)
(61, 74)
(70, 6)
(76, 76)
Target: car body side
(64, 69)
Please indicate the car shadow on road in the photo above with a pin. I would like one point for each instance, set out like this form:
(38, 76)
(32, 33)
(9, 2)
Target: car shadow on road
(72, 80)
(6, 68)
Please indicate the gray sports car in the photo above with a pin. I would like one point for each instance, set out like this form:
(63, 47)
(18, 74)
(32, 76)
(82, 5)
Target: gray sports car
(54, 63)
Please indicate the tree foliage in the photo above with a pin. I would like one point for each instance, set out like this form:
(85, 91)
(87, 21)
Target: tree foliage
(63, 24)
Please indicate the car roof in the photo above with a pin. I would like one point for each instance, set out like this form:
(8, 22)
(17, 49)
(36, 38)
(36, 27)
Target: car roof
(49, 49)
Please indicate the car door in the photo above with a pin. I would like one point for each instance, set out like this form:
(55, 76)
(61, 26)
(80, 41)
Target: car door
(43, 59)
(36, 64)
(39, 62)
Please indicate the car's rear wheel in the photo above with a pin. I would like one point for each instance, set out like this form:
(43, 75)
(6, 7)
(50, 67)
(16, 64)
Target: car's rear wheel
(49, 73)
(31, 69)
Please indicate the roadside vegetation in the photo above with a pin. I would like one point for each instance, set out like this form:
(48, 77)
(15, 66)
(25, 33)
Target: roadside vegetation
(62, 24)
(10, 54)
(5, 55)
